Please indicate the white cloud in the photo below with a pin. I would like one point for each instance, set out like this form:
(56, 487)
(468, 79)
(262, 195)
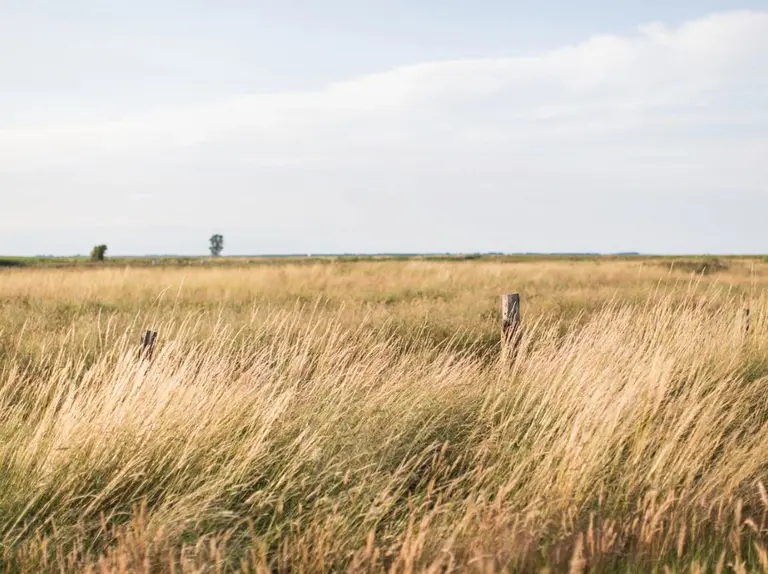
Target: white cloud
(656, 77)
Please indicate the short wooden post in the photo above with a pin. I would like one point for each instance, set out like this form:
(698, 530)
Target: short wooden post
(511, 329)
(148, 345)
(746, 321)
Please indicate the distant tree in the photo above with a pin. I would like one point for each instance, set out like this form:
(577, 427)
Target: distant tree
(217, 245)
(98, 253)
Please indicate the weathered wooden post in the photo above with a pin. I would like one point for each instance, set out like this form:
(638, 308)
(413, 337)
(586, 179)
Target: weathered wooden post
(511, 328)
(148, 345)
(746, 321)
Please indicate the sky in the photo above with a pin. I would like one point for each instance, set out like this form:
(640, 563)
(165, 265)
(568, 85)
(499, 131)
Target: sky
(343, 126)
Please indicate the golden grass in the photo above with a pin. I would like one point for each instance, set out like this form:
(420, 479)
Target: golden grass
(360, 417)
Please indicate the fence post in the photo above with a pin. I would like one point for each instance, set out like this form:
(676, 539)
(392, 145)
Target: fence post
(148, 345)
(746, 321)
(511, 329)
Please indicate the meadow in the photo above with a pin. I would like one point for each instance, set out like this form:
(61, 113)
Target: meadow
(359, 415)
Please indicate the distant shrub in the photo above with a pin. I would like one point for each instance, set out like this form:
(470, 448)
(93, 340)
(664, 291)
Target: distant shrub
(98, 253)
(216, 245)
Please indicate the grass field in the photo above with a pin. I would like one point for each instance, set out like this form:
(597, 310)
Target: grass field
(357, 415)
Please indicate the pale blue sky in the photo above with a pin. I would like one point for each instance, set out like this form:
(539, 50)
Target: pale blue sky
(350, 126)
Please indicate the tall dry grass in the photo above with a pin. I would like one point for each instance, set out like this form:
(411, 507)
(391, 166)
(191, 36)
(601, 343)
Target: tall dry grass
(437, 300)
(307, 437)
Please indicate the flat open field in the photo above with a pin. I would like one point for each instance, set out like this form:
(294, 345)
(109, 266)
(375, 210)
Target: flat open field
(359, 415)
